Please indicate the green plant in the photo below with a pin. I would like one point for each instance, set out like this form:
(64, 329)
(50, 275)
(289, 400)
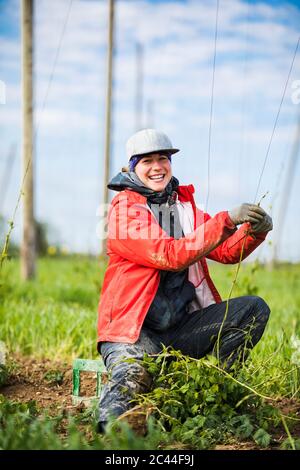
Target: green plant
(54, 377)
(54, 318)
(24, 427)
(246, 283)
(3, 375)
(202, 405)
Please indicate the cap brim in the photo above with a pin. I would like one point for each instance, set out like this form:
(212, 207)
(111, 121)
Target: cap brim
(169, 151)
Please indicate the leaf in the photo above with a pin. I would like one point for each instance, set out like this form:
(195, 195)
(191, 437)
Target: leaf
(210, 398)
(246, 428)
(194, 409)
(184, 388)
(262, 438)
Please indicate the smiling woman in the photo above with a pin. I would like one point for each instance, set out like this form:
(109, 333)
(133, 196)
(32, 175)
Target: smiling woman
(157, 289)
(154, 171)
(149, 153)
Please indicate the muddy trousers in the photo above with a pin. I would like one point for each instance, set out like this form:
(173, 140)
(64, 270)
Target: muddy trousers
(196, 335)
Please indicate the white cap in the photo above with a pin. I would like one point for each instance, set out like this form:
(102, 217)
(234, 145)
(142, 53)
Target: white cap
(148, 141)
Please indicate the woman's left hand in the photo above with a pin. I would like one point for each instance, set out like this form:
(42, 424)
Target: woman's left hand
(265, 225)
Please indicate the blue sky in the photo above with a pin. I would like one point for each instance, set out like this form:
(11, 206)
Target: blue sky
(256, 43)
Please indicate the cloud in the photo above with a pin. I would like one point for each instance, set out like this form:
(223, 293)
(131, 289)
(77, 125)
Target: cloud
(254, 50)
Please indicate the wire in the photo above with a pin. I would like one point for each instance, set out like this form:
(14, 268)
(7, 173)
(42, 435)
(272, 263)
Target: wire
(241, 154)
(276, 120)
(54, 63)
(211, 107)
(48, 88)
(36, 131)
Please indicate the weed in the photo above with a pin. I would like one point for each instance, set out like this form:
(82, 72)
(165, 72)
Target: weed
(22, 427)
(195, 406)
(3, 375)
(201, 405)
(54, 377)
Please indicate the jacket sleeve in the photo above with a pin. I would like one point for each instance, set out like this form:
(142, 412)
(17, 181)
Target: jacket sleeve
(134, 234)
(229, 251)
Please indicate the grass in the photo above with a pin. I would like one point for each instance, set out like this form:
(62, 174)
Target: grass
(55, 317)
(280, 288)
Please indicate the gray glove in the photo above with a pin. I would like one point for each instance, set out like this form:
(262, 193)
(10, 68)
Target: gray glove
(247, 213)
(264, 226)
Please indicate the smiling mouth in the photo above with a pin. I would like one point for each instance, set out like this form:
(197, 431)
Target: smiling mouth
(156, 178)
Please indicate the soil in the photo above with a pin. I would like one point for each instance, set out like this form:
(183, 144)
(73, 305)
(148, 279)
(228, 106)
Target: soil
(46, 382)
(49, 384)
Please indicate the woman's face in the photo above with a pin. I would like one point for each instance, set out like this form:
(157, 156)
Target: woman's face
(155, 171)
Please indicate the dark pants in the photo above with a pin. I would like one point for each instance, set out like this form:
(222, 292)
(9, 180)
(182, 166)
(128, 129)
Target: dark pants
(196, 335)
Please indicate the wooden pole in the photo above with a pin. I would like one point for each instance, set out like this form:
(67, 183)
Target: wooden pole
(150, 114)
(108, 123)
(139, 87)
(291, 170)
(28, 249)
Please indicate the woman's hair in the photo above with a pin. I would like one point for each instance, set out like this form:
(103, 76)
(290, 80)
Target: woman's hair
(134, 160)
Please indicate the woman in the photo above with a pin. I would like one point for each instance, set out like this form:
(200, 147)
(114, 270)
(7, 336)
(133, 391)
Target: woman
(157, 289)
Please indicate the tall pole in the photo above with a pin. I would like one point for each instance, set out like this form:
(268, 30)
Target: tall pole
(150, 114)
(291, 170)
(108, 122)
(28, 249)
(139, 86)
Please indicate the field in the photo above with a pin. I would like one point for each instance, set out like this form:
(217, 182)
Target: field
(47, 323)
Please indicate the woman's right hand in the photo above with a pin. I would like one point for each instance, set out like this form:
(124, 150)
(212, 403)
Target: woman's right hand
(247, 213)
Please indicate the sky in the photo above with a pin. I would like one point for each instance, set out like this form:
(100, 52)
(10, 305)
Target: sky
(255, 45)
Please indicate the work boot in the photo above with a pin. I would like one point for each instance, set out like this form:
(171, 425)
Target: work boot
(137, 418)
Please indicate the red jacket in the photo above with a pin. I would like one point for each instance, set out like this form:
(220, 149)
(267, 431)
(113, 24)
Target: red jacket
(138, 249)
